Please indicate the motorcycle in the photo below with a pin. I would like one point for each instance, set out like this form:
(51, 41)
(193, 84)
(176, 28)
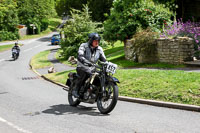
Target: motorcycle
(100, 87)
(15, 54)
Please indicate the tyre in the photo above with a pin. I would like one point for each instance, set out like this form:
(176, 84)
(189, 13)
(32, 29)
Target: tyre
(106, 104)
(14, 56)
(72, 100)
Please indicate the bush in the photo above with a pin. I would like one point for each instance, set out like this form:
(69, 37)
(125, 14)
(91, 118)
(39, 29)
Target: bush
(44, 24)
(127, 15)
(6, 35)
(144, 41)
(76, 31)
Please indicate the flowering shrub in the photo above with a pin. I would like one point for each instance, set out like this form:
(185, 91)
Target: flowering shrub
(129, 15)
(179, 28)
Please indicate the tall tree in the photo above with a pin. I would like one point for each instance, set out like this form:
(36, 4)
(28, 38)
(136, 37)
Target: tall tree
(8, 20)
(98, 7)
(33, 11)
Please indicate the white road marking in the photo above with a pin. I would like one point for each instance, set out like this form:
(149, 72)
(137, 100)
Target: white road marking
(14, 126)
(28, 49)
(37, 46)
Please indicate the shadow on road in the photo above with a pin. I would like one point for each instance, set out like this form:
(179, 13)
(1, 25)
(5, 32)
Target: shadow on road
(10, 60)
(61, 109)
(45, 39)
(3, 93)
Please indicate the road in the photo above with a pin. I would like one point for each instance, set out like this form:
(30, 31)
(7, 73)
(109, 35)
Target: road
(29, 104)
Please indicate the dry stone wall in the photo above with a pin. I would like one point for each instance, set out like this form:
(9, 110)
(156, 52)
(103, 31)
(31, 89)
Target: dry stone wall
(172, 51)
(175, 51)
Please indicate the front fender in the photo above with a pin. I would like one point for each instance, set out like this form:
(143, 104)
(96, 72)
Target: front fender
(113, 79)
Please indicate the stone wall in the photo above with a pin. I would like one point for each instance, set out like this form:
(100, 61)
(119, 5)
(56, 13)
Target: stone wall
(172, 51)
(175, 51)
(128, 50)
(23, 31)
(143, 57)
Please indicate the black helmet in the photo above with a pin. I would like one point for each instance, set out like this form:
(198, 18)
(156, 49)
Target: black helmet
(92, 37)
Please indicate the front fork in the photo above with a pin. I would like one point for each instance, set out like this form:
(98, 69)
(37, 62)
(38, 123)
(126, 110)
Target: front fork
(103, 90)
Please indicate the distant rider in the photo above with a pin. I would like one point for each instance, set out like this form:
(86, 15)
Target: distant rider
(17, 48)
(88, 54)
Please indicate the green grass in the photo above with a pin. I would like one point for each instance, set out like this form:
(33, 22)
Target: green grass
(40, 60)
(171, 86)
(59, 77)
(62, 59)
(7, 47)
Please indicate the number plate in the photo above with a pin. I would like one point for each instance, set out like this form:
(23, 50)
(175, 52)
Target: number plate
(14, 50)
(111, 68)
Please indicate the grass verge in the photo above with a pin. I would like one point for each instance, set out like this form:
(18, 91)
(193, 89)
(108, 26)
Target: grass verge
(41, 60)
(171, 86)
(7, 47)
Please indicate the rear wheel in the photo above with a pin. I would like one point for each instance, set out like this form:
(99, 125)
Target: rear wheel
(14, 56)
(107, 103)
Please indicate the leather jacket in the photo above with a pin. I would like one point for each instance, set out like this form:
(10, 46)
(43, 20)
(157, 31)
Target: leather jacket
(87, 54)
(17, 48)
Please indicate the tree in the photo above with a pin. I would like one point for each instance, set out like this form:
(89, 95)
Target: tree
(8, 20)
(35, 11)
(76, 31)
(98, 7)
(129, 15)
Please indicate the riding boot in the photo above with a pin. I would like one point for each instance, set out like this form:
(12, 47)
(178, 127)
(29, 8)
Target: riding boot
(75, 91)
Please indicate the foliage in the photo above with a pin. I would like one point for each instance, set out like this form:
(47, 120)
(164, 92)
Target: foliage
(6, 35)
(98, 7)
(44, 24)
(127, 15)
(36, 12)
(8, 20)
(144, 41)
(76, 31)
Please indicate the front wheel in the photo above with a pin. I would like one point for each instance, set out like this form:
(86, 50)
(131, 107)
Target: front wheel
(72, 100)
(106, 104)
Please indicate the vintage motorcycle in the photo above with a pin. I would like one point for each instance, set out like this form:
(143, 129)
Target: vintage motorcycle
(100, 87)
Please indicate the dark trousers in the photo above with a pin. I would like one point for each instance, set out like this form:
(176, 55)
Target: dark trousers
(83, 74)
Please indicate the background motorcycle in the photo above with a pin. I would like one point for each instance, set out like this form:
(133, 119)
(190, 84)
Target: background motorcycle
(100, 87)
(15, 54)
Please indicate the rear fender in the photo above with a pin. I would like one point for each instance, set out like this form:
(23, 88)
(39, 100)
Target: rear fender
(72, 77)
(68, 83)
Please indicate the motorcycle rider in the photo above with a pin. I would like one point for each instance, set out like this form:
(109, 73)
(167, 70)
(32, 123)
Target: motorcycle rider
(88, 54)
(16, 46)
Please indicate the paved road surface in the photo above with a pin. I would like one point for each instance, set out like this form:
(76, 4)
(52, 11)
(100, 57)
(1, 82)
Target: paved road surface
(29, 104)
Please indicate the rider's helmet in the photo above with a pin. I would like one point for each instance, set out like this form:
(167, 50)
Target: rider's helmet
(16, 44)
(92, 37)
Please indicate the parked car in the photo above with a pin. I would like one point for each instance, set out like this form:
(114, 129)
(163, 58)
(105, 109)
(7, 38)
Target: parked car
(55, 39)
